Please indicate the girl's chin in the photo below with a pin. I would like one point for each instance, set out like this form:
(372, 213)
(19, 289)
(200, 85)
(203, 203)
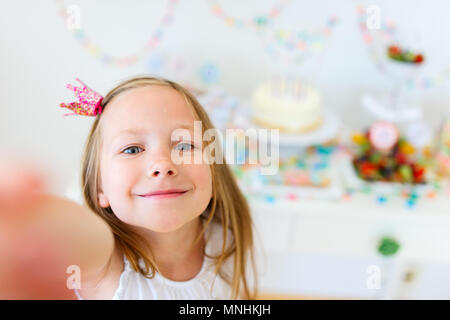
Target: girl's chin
(156, 224)
(165, 225)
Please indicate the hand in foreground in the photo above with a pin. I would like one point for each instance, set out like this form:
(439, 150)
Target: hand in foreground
(40, 236)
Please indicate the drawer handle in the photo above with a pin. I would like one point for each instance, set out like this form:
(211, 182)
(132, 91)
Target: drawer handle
(388, 246)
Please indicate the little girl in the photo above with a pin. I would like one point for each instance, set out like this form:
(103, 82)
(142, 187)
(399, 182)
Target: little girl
(181, 230)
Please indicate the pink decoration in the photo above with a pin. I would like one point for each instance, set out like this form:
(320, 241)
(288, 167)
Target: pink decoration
(292, 196)
(88, 104)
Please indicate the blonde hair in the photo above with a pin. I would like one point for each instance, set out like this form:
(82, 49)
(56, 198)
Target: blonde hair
(228, 205)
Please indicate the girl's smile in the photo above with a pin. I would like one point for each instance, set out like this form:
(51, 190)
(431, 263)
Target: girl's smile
(164, 194)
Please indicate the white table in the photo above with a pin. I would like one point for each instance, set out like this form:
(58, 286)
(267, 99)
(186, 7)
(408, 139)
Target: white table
(324, 248)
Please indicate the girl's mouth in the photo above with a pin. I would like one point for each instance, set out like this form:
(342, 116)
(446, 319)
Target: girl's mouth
(162, 194)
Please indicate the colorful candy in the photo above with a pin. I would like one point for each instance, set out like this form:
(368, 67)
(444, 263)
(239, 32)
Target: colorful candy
(397, 54)
(398, 163)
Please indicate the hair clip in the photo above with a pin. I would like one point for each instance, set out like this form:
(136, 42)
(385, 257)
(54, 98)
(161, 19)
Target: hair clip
(88, 104)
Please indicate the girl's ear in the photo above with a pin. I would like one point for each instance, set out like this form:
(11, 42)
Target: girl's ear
(102, 200)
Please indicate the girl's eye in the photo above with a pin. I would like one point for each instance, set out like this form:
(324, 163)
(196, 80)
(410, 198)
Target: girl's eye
(130, 148)
(185, 146)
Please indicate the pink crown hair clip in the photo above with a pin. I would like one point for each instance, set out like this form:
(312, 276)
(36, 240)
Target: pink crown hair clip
(89, 102)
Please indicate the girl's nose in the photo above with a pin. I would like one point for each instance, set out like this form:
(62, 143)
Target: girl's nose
(163, 168)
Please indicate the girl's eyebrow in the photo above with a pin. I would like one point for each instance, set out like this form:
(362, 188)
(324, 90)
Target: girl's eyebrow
(183, 125)
(130, 131)
(134, 131)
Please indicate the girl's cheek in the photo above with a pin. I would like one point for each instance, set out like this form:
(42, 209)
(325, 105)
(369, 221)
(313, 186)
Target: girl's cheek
(119, 175)
(201, 175)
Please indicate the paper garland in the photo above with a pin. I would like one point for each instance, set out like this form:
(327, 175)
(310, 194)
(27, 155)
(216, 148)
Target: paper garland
(298, 46)
(207, 73)
(387, 34)
(286, 45)
(131, 59)
(257, 22)
(167, 66)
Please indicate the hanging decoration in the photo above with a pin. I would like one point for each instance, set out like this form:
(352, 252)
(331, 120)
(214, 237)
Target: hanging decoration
(167, 66)
(209, 73)
(298, 46)
(90, 46)
(258, 22)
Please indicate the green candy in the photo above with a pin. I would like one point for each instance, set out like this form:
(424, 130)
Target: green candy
(436, 186)
(406, 173)
(409, 56)
(365, 189)
(375, 157)
(261, 21)
(365, 147)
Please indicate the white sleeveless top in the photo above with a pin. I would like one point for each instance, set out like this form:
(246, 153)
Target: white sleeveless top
(204, 286)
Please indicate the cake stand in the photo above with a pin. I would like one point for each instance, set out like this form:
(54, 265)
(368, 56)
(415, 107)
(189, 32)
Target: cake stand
(326, 132)
(391, 107)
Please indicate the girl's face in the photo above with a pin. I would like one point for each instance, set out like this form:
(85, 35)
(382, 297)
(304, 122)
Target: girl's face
(136, 160)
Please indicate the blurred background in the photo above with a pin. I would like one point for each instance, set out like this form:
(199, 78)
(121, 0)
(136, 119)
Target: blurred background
(345, 216)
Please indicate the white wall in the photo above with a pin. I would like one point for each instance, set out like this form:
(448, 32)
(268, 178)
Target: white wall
(39, 56)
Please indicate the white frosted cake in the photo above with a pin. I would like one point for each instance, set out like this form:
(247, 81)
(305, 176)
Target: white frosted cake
(291, 106)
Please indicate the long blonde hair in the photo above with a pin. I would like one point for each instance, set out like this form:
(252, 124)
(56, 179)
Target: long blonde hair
(227, 206)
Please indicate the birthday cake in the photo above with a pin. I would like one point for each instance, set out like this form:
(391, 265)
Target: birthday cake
(291, 106)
